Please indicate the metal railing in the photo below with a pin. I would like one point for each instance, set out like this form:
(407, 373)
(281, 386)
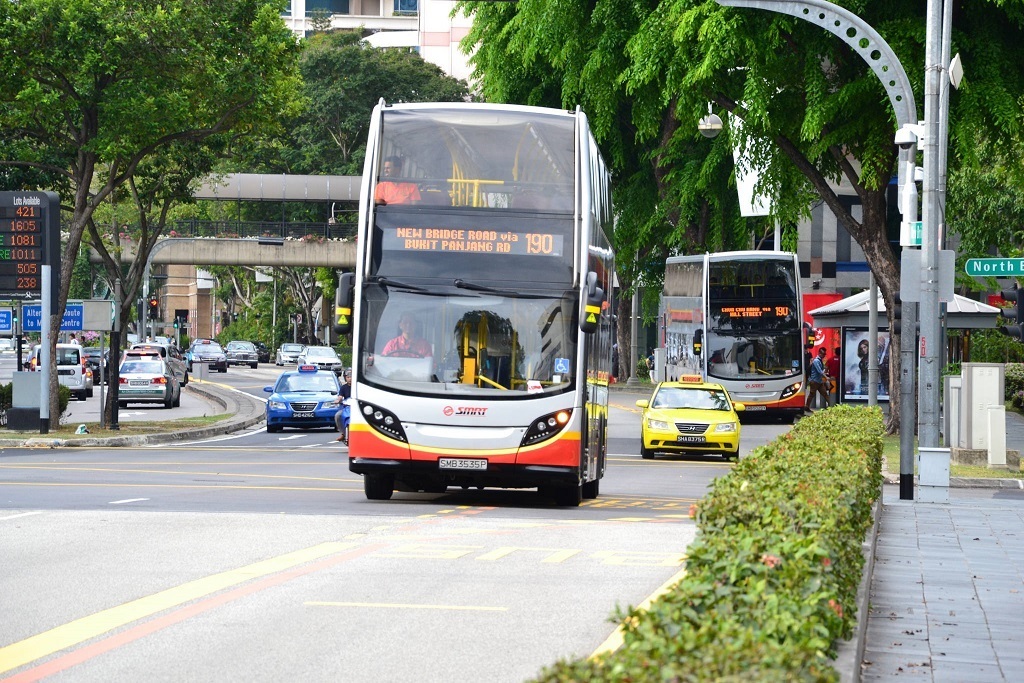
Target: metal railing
(284, 230)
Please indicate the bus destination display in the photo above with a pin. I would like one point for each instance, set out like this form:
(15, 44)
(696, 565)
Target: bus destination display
(473, 241)
(21, 247)
(748, 312)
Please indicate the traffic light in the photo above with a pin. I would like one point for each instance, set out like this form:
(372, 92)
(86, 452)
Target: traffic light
(810, 336)
(154, 306)
(343, 303)
(1016, 312)
(177, 322)
(897, 316)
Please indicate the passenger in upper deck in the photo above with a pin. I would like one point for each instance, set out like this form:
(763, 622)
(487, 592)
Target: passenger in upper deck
(395, 192)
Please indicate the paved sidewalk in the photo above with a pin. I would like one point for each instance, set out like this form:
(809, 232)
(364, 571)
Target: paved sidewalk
(947, 587)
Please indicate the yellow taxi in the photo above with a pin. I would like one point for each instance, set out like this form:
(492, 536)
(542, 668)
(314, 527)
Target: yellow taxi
(690, 417)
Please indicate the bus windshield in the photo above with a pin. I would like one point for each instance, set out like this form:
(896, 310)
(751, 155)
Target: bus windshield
(753, 327)
(447, 339)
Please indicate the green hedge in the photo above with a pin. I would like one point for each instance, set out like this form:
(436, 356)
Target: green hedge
(771, 579)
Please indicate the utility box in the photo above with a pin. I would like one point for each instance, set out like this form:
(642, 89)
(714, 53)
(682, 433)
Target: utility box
(933, 475)
(982, 386)
(26, 393)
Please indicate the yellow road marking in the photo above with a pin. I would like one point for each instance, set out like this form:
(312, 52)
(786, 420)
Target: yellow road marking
(181, 486)
(473, 608)
(182, 472)
(615, 640)
(80, 630)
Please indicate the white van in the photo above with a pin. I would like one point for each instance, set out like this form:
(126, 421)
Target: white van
(71, 371)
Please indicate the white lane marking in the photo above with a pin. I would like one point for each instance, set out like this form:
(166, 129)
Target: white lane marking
(127, 500)
(225, 437)
(293, 436)
(21, 514)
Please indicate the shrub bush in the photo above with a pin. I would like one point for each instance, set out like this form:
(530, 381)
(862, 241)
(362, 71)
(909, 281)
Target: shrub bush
(771, 579)
(1014, 380)
(642, 371)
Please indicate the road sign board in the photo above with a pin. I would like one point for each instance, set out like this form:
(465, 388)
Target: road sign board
(32, 314)
(994, 267)
(6, 321)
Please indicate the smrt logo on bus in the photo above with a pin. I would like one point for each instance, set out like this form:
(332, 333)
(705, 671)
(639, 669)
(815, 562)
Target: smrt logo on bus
(754, 385)
(464, 410)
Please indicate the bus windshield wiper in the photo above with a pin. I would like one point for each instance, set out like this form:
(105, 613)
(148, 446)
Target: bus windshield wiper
(388, 282)
(473, 287)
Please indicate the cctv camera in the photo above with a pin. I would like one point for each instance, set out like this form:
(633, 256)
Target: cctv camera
(905, 138)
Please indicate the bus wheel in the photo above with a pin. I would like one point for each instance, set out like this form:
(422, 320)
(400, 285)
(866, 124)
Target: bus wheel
(567, 496)
(378, 486)
(591, 489)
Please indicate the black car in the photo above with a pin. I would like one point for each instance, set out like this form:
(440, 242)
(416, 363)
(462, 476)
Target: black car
(262, 351)
(100, 368)
(208, 352)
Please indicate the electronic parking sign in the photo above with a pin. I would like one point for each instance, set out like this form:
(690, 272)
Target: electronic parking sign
(29, 239)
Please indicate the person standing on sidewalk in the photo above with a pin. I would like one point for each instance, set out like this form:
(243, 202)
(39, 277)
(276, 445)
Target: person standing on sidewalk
(833, 373)
(816, 381)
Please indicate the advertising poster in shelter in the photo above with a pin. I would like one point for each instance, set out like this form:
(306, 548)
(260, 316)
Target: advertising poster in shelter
(856, 358)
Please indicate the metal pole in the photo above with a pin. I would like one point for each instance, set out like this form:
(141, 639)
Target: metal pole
(634, 352)
(45, 367)
(114, 368)
(931, 332)
(872, 340)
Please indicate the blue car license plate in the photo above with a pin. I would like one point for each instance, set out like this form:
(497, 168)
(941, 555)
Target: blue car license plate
(304, 413)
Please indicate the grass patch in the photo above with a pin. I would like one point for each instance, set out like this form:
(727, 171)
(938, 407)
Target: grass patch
(891, 453)
(67, 431)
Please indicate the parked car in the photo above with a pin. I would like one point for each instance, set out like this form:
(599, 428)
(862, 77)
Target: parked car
(241, 353)
(323, 357)
(262, 352)
(171, 355)
(98, 361)
(209, 352)
(287, 353)
(145, 377)
(72, 370)
(690, 417)
(303, 398)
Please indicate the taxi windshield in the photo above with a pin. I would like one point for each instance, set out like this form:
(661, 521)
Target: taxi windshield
(694, 398)
(319, 382)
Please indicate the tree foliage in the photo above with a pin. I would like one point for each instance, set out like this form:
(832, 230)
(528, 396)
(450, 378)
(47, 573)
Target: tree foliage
(108, 95)
(814, 116)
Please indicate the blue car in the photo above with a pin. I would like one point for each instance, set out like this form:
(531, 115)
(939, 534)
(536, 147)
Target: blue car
(303, 398)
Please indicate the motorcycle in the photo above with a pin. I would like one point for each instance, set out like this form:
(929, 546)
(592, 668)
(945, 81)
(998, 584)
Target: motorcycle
(346, 412)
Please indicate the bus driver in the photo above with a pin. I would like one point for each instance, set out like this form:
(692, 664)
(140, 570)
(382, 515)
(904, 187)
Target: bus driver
(409, 343)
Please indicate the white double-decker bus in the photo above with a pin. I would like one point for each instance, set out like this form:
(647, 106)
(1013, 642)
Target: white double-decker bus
(480, 303)
(735, 318)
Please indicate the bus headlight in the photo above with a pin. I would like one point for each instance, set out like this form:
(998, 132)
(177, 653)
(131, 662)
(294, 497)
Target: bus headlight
(792, 389)
(545, 427)
(384, 421)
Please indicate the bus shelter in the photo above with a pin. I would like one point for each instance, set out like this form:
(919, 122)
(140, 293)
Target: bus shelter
(850, 316)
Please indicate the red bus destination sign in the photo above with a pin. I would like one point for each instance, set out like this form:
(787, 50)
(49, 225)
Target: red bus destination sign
(29, 237)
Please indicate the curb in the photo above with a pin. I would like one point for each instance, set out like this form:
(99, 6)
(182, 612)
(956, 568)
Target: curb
(850, 653)
(969, 482)
(245, 412)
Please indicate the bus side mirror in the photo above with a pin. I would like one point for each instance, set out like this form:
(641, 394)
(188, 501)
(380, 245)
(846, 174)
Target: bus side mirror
(590, 302)
(810, 335)
(343, 303)
(698, 342)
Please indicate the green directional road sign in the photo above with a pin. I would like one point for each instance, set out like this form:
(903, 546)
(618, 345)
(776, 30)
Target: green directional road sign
(995, 267)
